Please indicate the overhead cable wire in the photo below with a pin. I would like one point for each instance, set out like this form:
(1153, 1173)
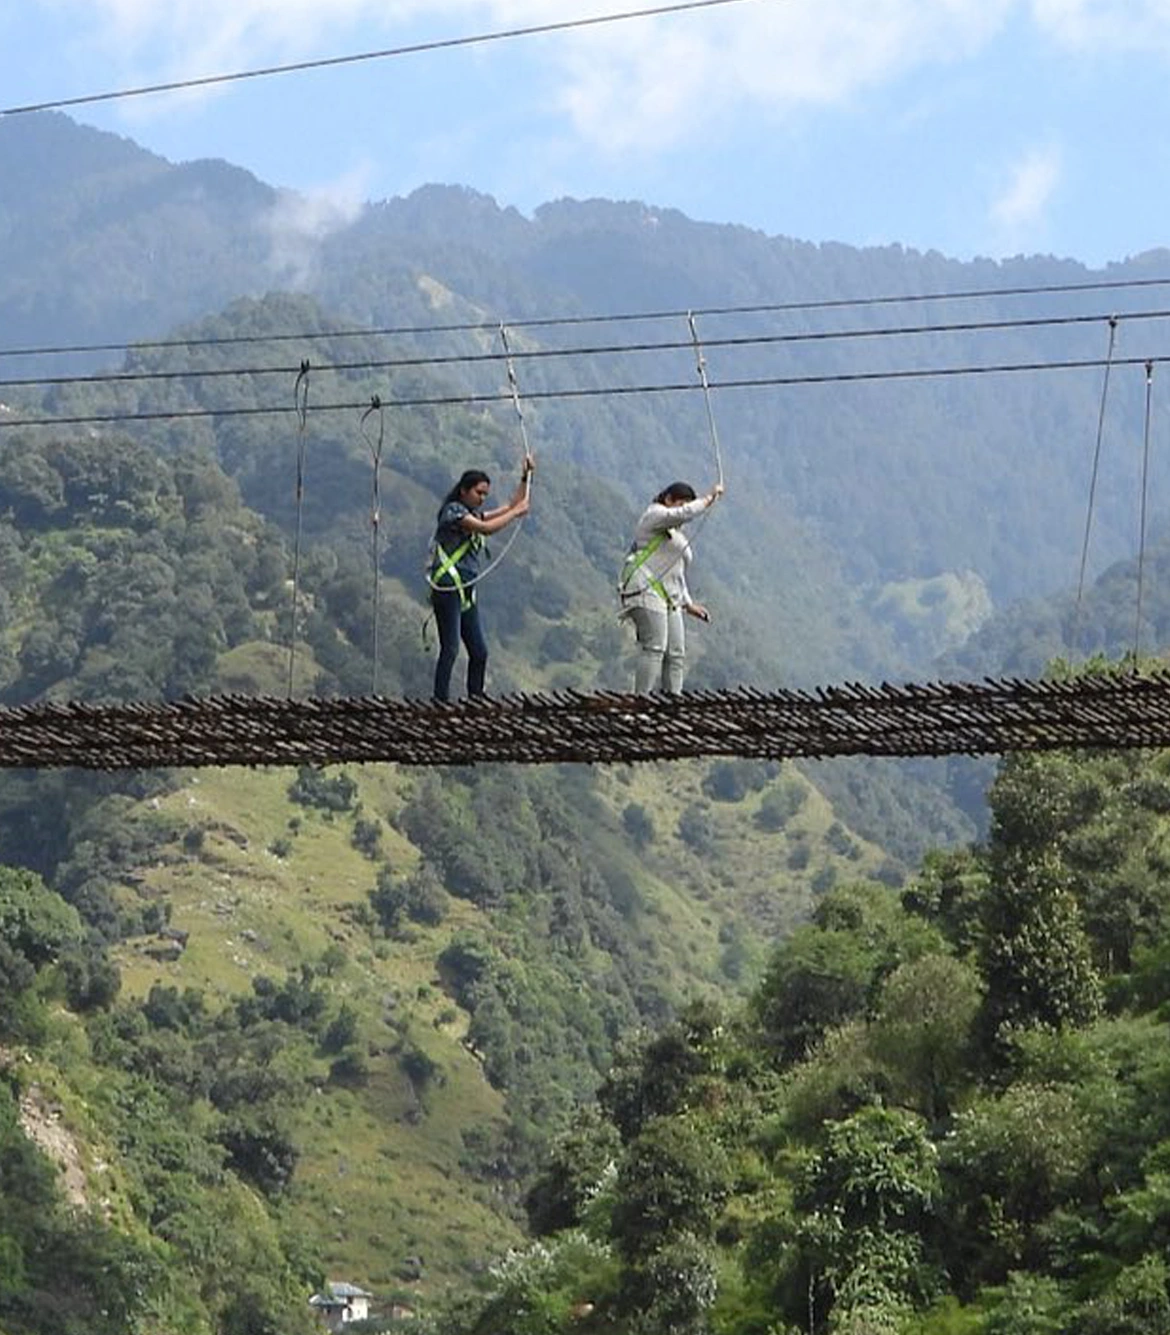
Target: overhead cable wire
(586, 350)
(328, 62)
(568, 321)
(587, 392)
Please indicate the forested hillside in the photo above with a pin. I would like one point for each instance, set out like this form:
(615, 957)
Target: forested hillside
(857, 1069)
(940, 1111)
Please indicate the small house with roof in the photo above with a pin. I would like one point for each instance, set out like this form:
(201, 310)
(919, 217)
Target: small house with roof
(340, 1304)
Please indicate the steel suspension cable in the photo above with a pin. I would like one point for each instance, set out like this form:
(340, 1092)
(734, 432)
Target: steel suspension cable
(700, 520)
(525, 475)
(588, 350)
(470, 399)
(616, 317)
(328, 62)
(701, 365)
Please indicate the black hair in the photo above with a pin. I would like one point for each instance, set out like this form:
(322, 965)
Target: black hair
(679, 491)
(472, 477)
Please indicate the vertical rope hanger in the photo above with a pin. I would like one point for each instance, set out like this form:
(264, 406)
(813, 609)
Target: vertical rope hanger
(1075, 630)
(701, 368)
(514, 386)
(1137, 627)
(701, 365)
(301, 402)
(375, 448)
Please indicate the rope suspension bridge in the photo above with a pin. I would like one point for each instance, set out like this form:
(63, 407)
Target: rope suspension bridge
(1122, 711)
(1118, 710)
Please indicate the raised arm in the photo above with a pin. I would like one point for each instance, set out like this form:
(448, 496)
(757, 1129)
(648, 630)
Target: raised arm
(505, 514)
(671, 516)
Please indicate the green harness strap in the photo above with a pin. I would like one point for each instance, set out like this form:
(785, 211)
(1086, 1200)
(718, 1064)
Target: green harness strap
(637, 559)
(448, 565)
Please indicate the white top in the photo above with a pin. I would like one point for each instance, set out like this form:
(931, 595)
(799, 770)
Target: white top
(668, 564)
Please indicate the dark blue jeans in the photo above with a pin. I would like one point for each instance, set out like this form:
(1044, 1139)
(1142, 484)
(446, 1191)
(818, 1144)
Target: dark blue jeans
(455, 624)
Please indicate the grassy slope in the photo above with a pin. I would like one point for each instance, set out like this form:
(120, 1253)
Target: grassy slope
(379, 1176)
(379, 1179)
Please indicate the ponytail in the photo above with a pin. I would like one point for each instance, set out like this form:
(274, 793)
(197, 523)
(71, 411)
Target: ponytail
(679, 491)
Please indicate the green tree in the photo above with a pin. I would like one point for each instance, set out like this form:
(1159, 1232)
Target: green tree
(864, 1205)
(829, 970)
(573, 1173)
(672, 1182)
(658, 1075)
(1011, 1159)
(35, 920)
(639, 824)
(1035, 957)
(922, 1030)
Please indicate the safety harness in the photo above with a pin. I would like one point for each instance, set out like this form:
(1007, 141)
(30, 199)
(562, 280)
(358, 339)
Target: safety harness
(636, 560)
(447, 564)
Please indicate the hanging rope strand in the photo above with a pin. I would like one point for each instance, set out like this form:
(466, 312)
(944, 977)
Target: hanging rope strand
(1075, 631)
(701, 364)
(1137, 627)
(301, 402)
(375, 448)
(514, 386)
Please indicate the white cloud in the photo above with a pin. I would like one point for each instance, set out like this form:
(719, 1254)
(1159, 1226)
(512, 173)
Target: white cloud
(1095, 26)
(644, 85)
(637, 83)
(1021, 205)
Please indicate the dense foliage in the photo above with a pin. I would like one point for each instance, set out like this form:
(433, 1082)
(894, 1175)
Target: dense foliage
(943, 1109)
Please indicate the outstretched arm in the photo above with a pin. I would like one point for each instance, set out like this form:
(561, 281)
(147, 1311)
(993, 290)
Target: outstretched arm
(671, 516)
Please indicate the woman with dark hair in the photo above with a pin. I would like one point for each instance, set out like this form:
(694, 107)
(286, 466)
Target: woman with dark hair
(653, 586)
(460, 529)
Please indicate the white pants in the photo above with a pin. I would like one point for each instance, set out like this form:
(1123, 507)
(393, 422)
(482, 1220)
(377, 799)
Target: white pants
(662, 649)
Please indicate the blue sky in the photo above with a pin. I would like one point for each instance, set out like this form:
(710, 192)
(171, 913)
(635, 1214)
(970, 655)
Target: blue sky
(971, 127)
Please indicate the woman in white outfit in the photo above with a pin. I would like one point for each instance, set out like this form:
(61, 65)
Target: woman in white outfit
(653, 586)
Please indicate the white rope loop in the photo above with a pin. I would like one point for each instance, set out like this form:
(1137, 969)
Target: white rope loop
(301, 404)
(701, 364)
(1113, 322)
(1137, 627)
(375, 449)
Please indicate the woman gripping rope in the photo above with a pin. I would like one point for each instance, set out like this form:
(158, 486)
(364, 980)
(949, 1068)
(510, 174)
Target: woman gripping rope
(460, 529)
(653, 586)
